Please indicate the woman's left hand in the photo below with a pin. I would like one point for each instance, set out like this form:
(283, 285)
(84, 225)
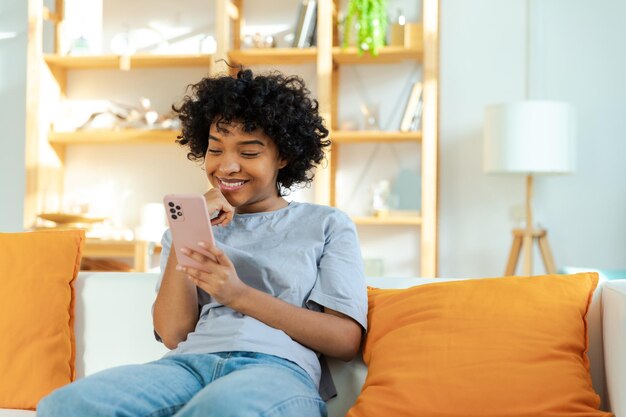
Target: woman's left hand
(217, 277)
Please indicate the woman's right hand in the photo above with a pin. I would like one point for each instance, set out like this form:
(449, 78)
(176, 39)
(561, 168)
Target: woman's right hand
(216, 201)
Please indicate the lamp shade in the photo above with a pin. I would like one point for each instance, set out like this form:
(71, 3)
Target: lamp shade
(529, 137)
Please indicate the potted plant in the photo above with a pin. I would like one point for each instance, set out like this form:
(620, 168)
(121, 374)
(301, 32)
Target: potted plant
(369, 18)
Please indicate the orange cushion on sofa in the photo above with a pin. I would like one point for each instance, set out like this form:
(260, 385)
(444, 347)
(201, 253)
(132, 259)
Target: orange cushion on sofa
(37, 346)
(513, 346)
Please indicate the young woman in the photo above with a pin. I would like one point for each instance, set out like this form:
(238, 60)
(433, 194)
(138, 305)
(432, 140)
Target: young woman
(284, 286)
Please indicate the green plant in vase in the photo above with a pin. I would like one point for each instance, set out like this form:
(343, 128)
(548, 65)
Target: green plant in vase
(370, 18)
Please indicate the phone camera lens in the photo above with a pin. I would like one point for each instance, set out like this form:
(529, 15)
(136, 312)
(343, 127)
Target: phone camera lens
(172, 210)
(174, 216)
(177, 207)
(180, 213)
(171, 204)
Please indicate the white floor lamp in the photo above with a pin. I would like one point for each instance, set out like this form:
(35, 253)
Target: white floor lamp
(529, 137)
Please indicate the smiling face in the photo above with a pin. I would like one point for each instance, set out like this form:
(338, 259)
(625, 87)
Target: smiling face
(244, 167)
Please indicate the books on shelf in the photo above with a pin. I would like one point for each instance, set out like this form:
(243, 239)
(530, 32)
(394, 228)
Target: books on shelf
(304, 35)
(412, 117)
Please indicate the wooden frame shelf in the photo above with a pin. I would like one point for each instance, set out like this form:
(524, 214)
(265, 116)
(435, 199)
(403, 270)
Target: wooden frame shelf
(264, 56)
(118, 62)
(387, 220)
(386, 55)
(327, 58)
(102, 136)
(141, 251)
(364, 136)
(350, 55)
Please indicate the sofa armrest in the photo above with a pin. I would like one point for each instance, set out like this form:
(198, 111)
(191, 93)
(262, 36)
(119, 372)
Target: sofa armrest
(614, 326)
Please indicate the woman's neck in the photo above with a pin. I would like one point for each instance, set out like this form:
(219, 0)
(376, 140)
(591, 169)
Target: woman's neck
(263, 206)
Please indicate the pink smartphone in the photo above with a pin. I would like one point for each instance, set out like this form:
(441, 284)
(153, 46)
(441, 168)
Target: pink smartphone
(188, 218)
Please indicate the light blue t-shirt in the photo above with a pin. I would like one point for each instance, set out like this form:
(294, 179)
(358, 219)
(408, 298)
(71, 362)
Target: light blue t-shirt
(305, 254)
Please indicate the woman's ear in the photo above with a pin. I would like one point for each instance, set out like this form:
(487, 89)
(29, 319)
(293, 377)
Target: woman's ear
(282, 162)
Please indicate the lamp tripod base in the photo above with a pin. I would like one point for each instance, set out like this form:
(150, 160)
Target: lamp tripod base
(541, 237)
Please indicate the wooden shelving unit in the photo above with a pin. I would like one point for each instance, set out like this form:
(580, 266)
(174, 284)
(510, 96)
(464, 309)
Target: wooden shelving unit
(59, 65)
(60, 140)
(126, 62)
(427, 57)
(273, 56)
(126, 136)
(386, 55)
(140, 251)
(364, 136)
(291, 56)
(327, 57)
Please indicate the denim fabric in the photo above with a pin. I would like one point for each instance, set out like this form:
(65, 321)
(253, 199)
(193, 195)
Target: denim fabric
(192, 385)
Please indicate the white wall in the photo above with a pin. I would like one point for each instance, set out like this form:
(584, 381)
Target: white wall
(13, 18)
(585, 65)
(576, 58)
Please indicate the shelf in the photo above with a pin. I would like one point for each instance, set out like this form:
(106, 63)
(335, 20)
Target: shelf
(363, 136)
(56, 81)
(141, 251)
(290, 56)
(386, 55)
(127, 62)
(387, 221)
(127, 136)
(273, 56)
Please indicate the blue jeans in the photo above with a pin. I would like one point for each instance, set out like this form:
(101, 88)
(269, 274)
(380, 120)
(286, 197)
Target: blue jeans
(221, 384)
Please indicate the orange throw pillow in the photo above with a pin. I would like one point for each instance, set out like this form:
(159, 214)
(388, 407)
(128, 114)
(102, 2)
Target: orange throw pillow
(37, 346)
(503, 347)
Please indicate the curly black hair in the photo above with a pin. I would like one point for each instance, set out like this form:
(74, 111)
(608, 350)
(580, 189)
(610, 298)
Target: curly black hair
(279, 105)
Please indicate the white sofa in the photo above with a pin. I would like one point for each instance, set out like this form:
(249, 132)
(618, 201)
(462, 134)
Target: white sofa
(114, 327)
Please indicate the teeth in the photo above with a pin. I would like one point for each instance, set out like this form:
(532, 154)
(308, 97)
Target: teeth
(232, 184)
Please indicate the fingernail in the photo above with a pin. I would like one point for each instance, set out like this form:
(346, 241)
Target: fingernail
(202, 244)
(185, 251)
(179, 268)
